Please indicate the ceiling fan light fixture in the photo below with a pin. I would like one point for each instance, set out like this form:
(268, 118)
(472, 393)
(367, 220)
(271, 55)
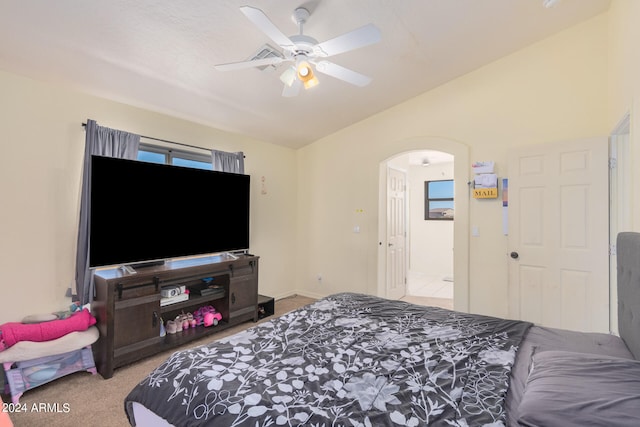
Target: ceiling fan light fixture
(288, 76)
(311, 82)
(306, 75)
(304, 71)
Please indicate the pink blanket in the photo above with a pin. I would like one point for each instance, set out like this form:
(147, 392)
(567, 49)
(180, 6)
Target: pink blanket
(13, 332)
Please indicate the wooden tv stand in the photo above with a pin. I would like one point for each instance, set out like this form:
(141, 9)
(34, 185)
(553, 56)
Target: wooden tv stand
(128, 310)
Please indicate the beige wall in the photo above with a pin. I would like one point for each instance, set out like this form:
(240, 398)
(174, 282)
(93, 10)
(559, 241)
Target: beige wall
(551, 91)
(624, 83)
(576, 84)
(42, 145)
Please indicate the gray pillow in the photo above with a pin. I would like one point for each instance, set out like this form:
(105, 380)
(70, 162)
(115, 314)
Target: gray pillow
(579, 389)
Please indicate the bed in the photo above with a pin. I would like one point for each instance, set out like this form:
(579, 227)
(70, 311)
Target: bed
(357, 360)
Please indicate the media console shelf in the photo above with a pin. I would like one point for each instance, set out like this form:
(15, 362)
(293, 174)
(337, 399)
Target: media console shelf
(128, 311)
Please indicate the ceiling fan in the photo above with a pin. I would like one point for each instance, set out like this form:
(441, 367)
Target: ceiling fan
(304, 51)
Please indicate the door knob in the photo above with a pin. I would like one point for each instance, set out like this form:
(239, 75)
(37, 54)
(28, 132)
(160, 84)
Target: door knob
(514, 255)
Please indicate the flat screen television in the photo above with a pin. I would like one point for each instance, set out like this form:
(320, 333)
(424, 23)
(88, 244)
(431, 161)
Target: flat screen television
(143, 212)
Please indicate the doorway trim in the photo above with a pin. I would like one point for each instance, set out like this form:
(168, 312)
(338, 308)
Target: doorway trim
(461, 300)
(619, 204)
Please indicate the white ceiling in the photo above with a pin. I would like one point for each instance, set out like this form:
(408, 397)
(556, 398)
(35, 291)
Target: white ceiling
(428, 157)
(159, 54)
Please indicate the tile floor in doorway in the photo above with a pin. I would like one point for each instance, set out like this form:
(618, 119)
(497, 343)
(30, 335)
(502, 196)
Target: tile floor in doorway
(429, 290)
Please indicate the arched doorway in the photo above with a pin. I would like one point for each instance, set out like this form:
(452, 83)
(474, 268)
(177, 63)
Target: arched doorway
(460, 259)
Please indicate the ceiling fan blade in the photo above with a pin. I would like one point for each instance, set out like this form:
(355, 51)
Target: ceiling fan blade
(363, 36)
(261, 21)
(339, 72)
(249, 64)
(293, 90)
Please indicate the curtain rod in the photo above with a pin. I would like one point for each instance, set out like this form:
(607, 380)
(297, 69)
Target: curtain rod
(84, 125)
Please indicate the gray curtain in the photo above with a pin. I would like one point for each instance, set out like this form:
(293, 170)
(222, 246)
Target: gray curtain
(228, 162)
(100, 141)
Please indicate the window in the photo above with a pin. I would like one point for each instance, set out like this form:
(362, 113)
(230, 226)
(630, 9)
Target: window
(438, 200)
(151, 156)
(163, 155)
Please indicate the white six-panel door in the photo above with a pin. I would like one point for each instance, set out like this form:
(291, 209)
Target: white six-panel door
(558, 235)
(396, 234)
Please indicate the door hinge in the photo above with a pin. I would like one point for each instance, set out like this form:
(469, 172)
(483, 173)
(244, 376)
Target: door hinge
(613, 250)
(613, 163)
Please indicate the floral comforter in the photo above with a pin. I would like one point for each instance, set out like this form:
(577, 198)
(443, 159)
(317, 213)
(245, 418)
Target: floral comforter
(345, 360)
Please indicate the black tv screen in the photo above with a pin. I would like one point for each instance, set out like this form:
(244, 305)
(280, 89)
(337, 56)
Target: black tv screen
(143, 212)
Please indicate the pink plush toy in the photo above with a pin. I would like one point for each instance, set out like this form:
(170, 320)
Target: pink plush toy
(14, 332)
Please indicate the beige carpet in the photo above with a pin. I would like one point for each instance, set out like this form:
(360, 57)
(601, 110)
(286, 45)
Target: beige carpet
(82, 399)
